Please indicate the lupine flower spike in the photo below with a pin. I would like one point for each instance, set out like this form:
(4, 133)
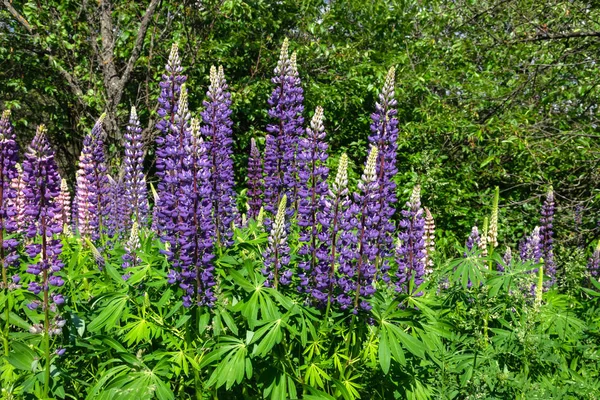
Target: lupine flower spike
(277, 253)
(8, 173)
(384, 135)
(493, 230)
(42, 189)
(506, 261)
(18, 203)
(483, 239)
(333, 226)
(216, 128)
(358, 259)
(411, 250)
(64, 203)
(254, 181)
(594, 263)
(136, 191)
(531, 248)
(429, 239)
(473, 240)
(546, 236)
(312, 174)
(132, 247)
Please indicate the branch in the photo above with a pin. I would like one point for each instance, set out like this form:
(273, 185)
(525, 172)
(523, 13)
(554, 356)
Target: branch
(18, 16)
(560, 36)
(139, 40)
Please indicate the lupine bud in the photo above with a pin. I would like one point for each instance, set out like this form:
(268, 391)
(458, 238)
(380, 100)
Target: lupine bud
(132, 247)
(216, 127)
(64, 203)
(483, 239)
(506, 261)
(411, 251)
(136, 192)
(429, 240)
(312, 175)
(277, 253)
(594, 262)
(493, 231)
(384, 135)
(254, 180)
(280, 174)
(42, 189)
(358, 259)
(546, 234)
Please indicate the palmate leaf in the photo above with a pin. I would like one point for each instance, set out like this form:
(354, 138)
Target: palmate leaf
(468, 269)
(233, 364)
(113, 308)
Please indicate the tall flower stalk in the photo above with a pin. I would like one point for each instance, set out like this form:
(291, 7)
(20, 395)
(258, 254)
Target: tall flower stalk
(546, 236)
(280, 174)
(64, 203)
(216, 128)
(93, 187)
(312, 174)
(42, 191)
(429, 241)
(8, 174)
(359, 257)
(277, 253)
(254, 181)
(384, 135)
(411, 251)
(131, 258)
(197, 227)
(17, 205)
(136, 191)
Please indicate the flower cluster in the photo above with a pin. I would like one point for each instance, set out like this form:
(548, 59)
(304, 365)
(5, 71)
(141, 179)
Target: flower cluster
(216, 128)
(64, 203)
(280, 173)
(132, 247)
(93, 186)
(136, 192)
(594, 262)
(359, 256)
(17, 203)
(473, 241)
(312, 175)
(8, 173)
(42, 189)
(429, 239)
(411, 251)
(531, 247)
(384, 135)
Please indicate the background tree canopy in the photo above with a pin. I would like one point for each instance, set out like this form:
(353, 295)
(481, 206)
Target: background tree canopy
(501, 92)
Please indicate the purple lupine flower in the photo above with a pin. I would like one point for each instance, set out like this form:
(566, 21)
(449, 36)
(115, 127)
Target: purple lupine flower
(92, 196)
(254, 180)
(331, 219)
(118, 216)
(594, 262)
(8, 173)
(197, 228)
(216, 128)
(136, 192)
(473, 240)
(169, 144)
(506, 261)
(429, 241)
(384, 135)
(131, 258)
(280, 175)
(175, 177)
(18, 202)
(410, 252)
(359, 255)
(312, 174)
(277, 253)
(546, 233)
(42, 189)
(531, 247)
(64, 203)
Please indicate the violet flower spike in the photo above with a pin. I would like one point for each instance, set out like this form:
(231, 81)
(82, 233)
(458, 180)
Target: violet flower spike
(17, 203)
(384, 135)
(277, 253)
(216, 128)
(312, 174)
(254, 181)
(411, 251)
(40, 174)
(136, 191)
(359, 255)
(593, 265)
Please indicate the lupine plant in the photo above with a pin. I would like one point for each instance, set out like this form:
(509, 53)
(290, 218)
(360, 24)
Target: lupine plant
(546, 235)
(136, 192)
(254, 180)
